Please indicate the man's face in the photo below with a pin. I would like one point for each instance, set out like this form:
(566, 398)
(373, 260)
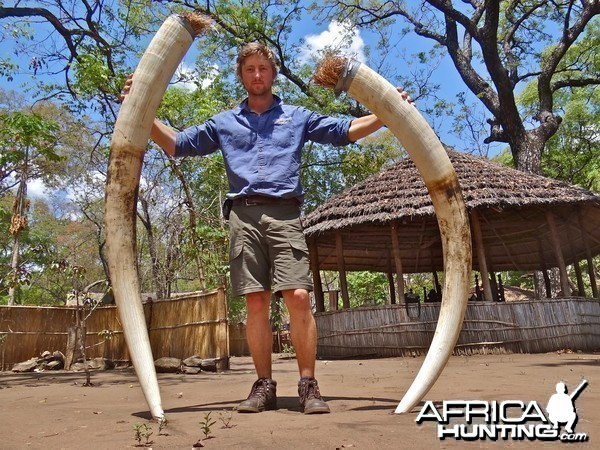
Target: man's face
(257, 75)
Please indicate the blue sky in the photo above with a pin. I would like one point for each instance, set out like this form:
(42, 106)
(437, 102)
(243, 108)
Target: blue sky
(355, 43)
(352, 42)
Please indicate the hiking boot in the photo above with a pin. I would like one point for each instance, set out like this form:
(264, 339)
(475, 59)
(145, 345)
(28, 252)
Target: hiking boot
(263, 397)
(310, 397)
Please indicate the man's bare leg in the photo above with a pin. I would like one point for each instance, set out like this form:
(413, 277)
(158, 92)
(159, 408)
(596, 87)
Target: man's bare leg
(258, 332)
(304, 338)
(263, 395)
(303, 330)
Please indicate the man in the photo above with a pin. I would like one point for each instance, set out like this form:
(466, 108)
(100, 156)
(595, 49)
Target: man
(261, 141)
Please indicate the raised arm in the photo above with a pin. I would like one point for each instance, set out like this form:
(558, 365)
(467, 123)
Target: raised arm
(164, 136)
(364, 126)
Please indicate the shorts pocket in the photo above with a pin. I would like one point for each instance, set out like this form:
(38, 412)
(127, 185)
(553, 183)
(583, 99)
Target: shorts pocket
(235, 250)
(299, 245)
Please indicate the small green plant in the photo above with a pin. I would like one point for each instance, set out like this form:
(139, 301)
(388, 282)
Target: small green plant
(225, 417)
(142, 432)
(162, 424)
(206, 424)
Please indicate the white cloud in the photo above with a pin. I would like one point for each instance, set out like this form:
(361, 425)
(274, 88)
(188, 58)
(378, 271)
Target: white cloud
(190, 78)
(36, 189)
(340, 37)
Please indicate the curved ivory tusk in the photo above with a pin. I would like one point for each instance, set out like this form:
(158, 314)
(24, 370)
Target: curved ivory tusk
(439, 176)
(128, 145)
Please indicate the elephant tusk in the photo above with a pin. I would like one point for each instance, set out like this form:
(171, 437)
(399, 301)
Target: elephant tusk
(128, 145)
(432, 161)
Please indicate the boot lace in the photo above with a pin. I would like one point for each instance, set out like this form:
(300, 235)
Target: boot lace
(260, 388)
(308, 389)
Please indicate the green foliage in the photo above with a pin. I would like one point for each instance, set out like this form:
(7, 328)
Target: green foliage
(573, 154)
(142, 433)
(367, 288)
(206, 424)
(93, 75)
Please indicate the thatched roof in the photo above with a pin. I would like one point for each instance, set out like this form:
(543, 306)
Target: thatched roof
(512, 206)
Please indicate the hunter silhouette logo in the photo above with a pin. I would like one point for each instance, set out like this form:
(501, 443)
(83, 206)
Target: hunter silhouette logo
(561, 407)
(508, 419)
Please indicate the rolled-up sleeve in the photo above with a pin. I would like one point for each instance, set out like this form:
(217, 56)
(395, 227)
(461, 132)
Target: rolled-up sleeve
(328, 130)
(198, 140)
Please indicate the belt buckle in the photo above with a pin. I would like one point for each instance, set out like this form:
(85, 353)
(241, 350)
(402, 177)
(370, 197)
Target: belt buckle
(248, 202)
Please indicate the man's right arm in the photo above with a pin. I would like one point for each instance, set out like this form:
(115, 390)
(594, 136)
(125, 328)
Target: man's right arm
(164, 136)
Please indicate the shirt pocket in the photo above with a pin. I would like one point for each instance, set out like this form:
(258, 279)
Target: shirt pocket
(283, 133)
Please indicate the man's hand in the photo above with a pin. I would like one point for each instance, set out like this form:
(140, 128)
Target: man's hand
(405, 95)
(127, 87)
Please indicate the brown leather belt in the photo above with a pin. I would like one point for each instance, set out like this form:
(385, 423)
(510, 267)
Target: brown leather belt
(253, 200)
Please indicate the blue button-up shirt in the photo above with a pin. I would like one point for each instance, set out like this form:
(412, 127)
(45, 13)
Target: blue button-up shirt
(262, 152)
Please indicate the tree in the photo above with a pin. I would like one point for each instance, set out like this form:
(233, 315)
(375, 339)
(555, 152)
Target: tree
(497, 47)
(27, 143)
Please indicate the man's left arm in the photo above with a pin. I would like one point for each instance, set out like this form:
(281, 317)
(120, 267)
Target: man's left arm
(364, 126)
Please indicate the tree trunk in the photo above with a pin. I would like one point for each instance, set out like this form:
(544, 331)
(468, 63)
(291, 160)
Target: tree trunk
(189, 202)
(527, 153)
(159, 284)
(17, 224)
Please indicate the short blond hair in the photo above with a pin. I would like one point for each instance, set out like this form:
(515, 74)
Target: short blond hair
(256, 48)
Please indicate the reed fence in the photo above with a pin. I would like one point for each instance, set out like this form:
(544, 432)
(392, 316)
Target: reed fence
(489, 327)
(187, 325)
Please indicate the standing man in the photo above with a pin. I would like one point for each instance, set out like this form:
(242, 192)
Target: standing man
(261, 141)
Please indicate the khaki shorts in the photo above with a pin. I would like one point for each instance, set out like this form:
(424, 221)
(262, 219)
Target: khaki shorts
(268, 251)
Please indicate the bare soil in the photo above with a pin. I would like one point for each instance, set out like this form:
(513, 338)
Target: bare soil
(52, 410)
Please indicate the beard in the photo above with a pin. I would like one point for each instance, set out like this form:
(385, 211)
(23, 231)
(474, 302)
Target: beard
(258, 89)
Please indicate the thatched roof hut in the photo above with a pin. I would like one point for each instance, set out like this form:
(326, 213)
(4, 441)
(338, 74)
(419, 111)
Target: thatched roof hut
(519, 221)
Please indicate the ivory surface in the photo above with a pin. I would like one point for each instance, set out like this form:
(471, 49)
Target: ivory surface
(128, 145)
(428, 154)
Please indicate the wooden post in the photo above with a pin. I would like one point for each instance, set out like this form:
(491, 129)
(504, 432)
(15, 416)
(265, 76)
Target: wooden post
(333, 300)
(564, 278)
(580, 285)
(339, 247)
(317, 284)
(398, 262)
(544, 269)
(391, 282)
(481, 259)
(588, 254)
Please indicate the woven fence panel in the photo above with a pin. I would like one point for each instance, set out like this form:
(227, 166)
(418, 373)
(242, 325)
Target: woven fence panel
(489, 327)
(195, 324)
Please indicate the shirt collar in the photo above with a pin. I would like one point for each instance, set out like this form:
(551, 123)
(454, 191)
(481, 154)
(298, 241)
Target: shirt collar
(276, 102)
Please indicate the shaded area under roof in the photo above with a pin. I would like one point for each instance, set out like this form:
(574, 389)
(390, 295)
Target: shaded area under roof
(512, 206)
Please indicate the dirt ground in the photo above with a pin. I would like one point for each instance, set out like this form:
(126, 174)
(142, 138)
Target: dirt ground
(53, 410)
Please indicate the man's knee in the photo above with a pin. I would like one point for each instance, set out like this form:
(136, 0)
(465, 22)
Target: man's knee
(258, 302)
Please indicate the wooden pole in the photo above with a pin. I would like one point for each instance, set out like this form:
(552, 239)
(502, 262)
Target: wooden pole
(564, 278)
(544, 269)
(316, 274)
(391, 282)
(339, 247)
(588, 254)
(398, 262)
(580, 285)
(481, 259)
